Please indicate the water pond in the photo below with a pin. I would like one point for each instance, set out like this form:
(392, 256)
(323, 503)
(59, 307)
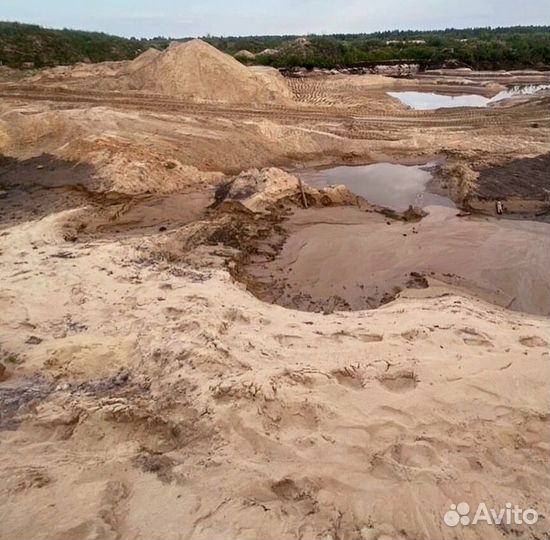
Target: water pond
(430, 100)
(386, 184)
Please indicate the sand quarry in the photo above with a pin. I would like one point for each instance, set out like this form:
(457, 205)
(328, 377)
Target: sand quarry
(187, 351)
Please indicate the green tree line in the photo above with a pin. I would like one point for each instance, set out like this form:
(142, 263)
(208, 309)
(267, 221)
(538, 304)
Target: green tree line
(480, 48)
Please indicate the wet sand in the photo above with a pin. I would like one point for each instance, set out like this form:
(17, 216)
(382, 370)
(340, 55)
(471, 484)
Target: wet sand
(342, 258)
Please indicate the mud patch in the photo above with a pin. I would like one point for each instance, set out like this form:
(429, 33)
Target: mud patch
(522, 184)
(15, 400)
(346, 259)
(38, 187)
(157, 464)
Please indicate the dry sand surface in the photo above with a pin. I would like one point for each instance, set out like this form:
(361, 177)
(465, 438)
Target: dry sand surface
(146, 392)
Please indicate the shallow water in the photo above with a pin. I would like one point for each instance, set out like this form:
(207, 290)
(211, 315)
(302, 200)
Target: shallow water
(519, 90)
(385, 184)
(431, 100)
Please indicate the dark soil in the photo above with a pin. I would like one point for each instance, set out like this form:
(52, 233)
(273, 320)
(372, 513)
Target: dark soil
(527, 178)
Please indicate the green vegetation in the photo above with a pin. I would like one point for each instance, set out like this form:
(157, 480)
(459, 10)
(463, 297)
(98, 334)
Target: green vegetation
(25, 43)
(480, 48)
(10, 359)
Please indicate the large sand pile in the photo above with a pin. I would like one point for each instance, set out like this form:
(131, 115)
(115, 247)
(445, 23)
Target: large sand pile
(199, 71)
(193, 70)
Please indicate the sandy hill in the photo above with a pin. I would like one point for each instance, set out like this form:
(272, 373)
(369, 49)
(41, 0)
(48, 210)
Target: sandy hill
(143, 59)
(273, 80)
(192, 70)
(199, 71)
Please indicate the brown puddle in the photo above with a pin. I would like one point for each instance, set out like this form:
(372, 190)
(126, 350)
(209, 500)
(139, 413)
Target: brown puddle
(340, 259)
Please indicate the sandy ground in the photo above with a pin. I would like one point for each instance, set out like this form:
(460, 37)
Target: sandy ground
(140, 142)
(146, 393)
(170, 403)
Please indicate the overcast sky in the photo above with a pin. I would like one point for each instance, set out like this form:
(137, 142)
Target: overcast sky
(181, 18)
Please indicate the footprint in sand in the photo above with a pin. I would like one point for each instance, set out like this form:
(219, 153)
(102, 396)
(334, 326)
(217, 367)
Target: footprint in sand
(395, 414)
(533, 341)
(400, 381)
(420, 454)
(413, 335)
(471, 336)
(366, 338)
(350, 376)
(288, 340)
(22, 479)
(370, 338)
(290, 490)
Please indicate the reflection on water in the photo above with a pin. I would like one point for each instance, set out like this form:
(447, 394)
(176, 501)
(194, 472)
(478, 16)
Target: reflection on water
(431, 100)
(385, 184)
(519, 90)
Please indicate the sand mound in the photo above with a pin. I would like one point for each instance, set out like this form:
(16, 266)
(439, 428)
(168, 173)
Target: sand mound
(80, 73)
(273, 80)
(245, 55)
(199, 71)
(260, 190)
(143, 59)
